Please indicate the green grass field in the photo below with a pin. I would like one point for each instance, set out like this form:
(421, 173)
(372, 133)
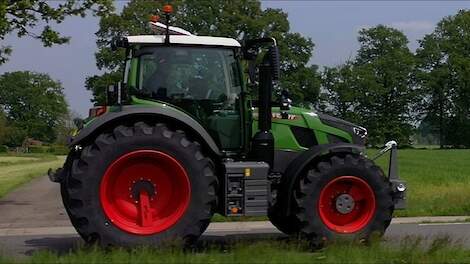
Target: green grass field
(438, 181)
(409, 251)
(16, 170)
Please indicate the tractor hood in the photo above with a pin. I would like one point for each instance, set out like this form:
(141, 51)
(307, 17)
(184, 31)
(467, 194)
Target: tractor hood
(328, 129)
(358, 133)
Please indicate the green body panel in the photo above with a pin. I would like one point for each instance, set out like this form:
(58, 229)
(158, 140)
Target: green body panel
(284, 139)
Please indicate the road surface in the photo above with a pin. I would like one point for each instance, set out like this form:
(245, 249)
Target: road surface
(32, 218)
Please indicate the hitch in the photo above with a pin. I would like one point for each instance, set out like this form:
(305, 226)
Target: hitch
(398, 186)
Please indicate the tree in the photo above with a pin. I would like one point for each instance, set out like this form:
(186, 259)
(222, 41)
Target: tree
(376, 89)
(3, 127)
(444, 65)
(385, 68)
(34, 105)
(22, 16)
(236, 19)
(340, 92)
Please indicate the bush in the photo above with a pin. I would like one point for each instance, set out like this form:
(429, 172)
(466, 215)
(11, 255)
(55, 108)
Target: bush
(38, 149)
(54, 149)
(3, 149)
(58, 150)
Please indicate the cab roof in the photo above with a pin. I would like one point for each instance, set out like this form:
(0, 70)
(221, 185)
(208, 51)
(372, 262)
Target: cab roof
(184, 40)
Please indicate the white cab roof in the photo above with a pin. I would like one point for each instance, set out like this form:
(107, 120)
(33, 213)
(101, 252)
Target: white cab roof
(185, 40)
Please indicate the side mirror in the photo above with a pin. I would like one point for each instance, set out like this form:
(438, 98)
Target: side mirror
(119, 43)
(116, 94)
(112, 95)
(272, 57)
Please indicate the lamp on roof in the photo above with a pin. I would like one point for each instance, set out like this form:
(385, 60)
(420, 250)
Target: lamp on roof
(167, 9)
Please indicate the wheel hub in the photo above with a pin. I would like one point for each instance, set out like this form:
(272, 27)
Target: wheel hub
(143, 186)
(345, 203)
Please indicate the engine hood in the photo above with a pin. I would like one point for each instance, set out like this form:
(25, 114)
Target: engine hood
(358, 133)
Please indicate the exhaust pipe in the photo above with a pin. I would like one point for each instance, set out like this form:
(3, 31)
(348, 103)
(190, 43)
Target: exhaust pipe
(263, 141)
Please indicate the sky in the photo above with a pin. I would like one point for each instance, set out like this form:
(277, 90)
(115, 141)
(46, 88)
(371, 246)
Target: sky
(332, 25)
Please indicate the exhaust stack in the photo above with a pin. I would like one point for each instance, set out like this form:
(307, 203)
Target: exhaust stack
(263, 142)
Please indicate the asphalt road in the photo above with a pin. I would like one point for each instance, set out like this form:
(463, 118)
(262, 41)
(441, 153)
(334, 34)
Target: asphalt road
(32, 218)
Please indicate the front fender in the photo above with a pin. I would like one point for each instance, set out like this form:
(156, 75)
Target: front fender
(295, 169)
(139, 113)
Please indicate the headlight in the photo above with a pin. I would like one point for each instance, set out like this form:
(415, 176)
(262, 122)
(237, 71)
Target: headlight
(360, 132)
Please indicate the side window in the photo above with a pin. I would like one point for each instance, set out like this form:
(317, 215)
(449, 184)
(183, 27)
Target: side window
(147, 68)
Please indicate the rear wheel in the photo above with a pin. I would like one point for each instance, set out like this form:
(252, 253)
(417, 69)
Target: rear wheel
(344, 198)
(140, 185)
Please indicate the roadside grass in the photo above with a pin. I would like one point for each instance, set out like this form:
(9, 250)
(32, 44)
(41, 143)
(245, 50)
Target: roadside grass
(441, 250)
(438, 181)
(18, 169)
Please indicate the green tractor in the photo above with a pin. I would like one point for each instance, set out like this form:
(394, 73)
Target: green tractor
(182, 138)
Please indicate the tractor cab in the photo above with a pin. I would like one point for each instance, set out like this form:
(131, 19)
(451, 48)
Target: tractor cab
(199, 75)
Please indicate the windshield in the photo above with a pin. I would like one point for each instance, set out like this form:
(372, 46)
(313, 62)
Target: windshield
(168, 73)
(203, 81)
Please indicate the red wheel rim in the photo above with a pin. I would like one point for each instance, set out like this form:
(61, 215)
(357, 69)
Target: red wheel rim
(353, 215)
(145, 192)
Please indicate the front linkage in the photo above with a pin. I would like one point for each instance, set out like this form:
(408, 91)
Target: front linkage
(398, 185)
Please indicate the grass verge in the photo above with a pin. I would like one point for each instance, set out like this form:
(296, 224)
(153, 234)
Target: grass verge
(16, 170)
(409, 251)
(438, 181)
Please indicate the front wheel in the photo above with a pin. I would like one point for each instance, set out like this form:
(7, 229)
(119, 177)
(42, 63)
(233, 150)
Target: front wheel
(344, 197)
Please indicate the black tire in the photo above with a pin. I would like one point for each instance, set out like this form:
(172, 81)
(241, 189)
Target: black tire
(286, 224)
(81, 186)
(316, 179)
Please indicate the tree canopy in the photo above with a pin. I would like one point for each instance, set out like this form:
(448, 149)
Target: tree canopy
(444, 78)
(376, 89)
(33, 104)
(22, 16)
(236, 19)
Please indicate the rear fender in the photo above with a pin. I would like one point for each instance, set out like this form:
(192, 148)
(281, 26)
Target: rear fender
(299, 165)
(138, 113)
